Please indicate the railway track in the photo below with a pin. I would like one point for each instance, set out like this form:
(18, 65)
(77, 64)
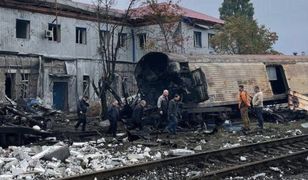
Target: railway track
(288, 153)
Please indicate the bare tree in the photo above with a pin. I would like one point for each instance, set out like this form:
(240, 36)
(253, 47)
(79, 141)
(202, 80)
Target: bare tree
(110, 23)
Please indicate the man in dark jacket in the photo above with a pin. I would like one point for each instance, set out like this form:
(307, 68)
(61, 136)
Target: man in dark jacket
(162, 105)
(82, 108)
(138, 114)
(114, 117)
(173, 114)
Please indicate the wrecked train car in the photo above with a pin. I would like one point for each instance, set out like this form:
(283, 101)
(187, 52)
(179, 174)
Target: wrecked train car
(210, 82)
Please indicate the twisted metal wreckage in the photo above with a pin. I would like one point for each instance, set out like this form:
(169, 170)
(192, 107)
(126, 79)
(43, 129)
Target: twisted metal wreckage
(208, 86)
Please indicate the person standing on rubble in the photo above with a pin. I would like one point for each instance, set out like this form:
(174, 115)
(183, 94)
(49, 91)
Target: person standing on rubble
(114, 117)
(138, 114)
(82, 108)
(173, 114)
(162, 105)
(257, 102)
(244, 104)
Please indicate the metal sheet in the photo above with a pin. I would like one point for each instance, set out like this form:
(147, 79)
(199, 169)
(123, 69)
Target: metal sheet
(296, 75)
(223, 80)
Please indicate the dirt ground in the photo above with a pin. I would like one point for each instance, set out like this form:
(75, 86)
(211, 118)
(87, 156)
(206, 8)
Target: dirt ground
(201, 140)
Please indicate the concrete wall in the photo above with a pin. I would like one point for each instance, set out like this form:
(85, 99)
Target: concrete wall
(15, 67)
(155, 40)
(188, 32)
(38, 44)
(72, 72)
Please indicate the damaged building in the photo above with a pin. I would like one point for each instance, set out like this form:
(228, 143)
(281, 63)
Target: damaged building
(49, 49)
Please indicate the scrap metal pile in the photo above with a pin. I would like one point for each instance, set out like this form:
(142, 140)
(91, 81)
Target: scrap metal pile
(25, 119)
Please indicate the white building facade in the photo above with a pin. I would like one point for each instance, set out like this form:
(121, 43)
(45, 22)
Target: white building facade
(65, 39)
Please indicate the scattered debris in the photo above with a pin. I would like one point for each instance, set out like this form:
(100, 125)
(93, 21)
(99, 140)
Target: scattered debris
(180, 152)
(276, 169)
(304, 125)
(258, 175)
(193, 174)
(243, 158)
(228, 145)
(198, 148)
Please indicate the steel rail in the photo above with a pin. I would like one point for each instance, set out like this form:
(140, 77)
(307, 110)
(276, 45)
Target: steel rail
(133, 169)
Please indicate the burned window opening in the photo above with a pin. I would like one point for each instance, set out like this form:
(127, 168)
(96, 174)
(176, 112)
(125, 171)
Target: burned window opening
(9, 85)
(56, 32)
(24, 84)
(22, 29)
(81, 35)
(277, 79)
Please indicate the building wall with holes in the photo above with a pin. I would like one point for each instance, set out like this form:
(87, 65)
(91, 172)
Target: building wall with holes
(18, 76)
(35, 41)
(183, 42)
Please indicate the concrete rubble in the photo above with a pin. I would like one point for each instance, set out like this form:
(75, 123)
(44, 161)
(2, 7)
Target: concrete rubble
(61, 160)
(180, 152)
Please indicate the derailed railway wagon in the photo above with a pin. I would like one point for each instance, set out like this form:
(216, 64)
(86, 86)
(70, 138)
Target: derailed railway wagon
(209, 83)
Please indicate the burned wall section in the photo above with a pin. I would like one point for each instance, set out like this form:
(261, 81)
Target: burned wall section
(66, 80)
(18, 76)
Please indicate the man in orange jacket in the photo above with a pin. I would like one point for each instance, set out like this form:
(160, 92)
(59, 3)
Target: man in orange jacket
(244, 104)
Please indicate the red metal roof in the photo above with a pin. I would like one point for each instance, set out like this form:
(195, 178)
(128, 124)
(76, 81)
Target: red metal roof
(143, 11)
(197, 15)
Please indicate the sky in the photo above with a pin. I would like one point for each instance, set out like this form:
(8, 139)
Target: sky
(288, 18)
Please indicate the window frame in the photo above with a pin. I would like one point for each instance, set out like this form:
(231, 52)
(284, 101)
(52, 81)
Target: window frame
(27, 28)
(142, 37)
(197, 39)
(104, 34)
(56, 31)
(81, 35)
(210, 36)
(86, 85)
(122, 39)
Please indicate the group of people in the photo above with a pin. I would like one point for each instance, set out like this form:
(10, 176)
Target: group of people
(113, 115)
(245, 103)
(169, 111)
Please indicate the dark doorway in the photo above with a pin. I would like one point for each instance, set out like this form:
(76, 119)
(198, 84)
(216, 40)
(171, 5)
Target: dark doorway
(277, 79)
(9, 85)
(60, 95)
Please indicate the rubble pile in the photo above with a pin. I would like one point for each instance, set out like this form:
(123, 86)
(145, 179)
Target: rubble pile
(61, 160)
(25, 119)
(28, 112)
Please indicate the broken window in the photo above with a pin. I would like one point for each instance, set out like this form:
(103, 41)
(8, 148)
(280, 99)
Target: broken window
(81, 35)
(24, 84)
(142, 40)
(10, 85)
(197, 39)
(210, 45)
(105, 37)
(122, 38)
(271, 73)
(277, 79)
(56, 32)
(86, 85)
(22, 29)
